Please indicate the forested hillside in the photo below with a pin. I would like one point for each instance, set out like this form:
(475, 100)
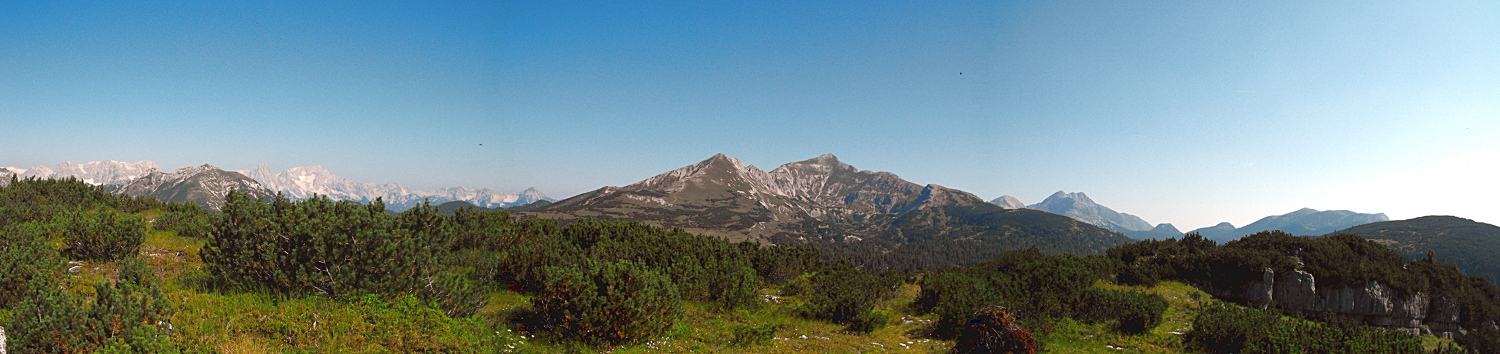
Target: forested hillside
(1472, 245)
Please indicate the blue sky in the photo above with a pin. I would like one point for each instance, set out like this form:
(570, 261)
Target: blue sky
(1184, 112)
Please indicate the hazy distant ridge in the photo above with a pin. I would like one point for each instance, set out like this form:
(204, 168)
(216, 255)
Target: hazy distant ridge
(1303, 222)
(305, 181)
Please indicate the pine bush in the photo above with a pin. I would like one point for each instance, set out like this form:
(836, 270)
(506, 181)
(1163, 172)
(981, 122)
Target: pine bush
(102, 235)
(1133, 312)
(607, 302)
(845, 294)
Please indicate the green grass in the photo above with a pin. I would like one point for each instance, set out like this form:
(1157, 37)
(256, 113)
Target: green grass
(214, 321)
(1430, 343)
(1182, 303)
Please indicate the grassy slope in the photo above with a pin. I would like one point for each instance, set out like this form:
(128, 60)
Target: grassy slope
(233, 322)
(236, 322)
(1182, 303)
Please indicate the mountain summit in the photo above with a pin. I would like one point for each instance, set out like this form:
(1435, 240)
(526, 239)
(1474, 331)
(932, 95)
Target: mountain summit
(205, 185)
(1079, 206)
(1008, 202)
(841, 209)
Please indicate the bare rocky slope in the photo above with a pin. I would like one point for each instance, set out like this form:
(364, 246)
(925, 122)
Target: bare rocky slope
(206, 185)
(872, 216)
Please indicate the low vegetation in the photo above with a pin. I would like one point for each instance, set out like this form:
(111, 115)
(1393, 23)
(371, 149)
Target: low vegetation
(317, 275)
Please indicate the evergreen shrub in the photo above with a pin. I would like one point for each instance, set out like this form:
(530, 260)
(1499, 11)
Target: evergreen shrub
(102, 235)
(1225, 328)
(25, 256)
(607, 302)
(1134, 312)
(128, 313)
(754, 334)
(186, 219)
(845, 294)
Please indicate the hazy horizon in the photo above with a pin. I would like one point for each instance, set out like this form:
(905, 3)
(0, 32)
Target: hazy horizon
(1183, 113)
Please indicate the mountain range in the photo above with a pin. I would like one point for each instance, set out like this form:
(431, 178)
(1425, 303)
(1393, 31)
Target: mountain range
(191, 184)
(107, 172)
(875, 217)
(305, 181)
(1303, 222)
(205, 185)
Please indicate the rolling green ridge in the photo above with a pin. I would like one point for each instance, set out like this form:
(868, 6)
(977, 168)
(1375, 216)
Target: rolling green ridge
(1472, 245)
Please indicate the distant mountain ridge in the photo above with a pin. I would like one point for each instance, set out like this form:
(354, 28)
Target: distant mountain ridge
(1078, 206)
(1303, 222)
(297, 183)
(106, 172)
(822, 201)
(303, 182)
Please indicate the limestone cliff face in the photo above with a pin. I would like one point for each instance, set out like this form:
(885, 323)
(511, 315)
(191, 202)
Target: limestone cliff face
(1296, 293)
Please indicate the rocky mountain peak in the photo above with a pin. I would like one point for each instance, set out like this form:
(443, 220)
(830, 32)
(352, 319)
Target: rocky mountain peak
(825, 163)
(206, 185)
(260, 171)
(1166, 227)
(37, 171)
(1008, 202)
(1078, 206)
(715, 169)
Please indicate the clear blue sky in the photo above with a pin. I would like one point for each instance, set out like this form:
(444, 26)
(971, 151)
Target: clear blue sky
(1186, 112)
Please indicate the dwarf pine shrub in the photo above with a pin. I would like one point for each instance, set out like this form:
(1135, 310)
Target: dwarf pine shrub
(607, 302)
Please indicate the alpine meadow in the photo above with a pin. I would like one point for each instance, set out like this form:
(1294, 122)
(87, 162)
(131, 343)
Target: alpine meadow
(749, 177)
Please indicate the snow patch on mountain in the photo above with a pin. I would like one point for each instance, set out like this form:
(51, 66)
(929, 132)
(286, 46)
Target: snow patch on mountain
(206, 185)
(304, 182)
(106, 172)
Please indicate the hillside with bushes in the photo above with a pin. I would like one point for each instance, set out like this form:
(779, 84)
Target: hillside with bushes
(1467, 243)
(88, 271)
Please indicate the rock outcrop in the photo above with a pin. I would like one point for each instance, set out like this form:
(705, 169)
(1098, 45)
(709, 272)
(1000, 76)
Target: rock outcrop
(1297, 293)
